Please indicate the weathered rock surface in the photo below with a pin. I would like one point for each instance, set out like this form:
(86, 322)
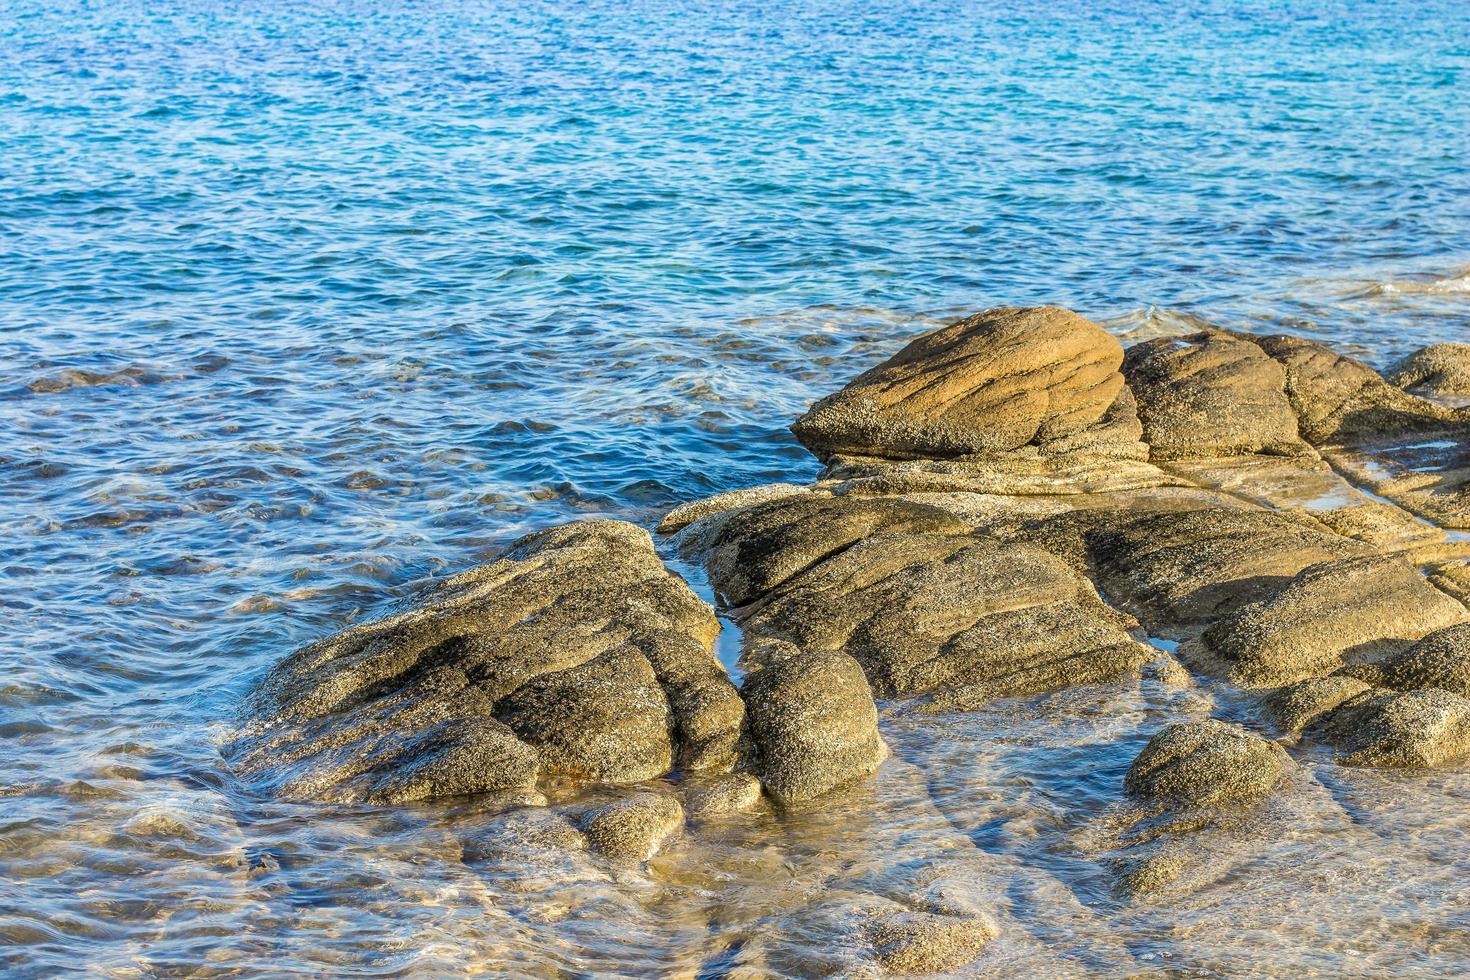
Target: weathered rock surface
(1211, 394)
(907, 943)
(1441, 659)
(1187, 568)
(633, 828)
(1437, 371)
(1414, 451)
(995, 382)
(1206, 763)
(812, 720)
(576, 654)
(718, 796)
(1401, 730)
(759, 548)
(1296, 706)
(1351, 609)
(968, 617)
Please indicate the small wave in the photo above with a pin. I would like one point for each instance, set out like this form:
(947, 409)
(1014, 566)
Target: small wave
(1455, 282)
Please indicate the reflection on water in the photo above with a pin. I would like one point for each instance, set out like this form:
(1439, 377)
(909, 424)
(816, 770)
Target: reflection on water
(302, 305)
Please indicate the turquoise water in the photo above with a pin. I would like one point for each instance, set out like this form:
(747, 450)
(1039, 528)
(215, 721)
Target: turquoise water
(300, 304)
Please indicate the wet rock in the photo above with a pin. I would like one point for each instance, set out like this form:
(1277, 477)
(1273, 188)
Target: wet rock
(1329, 614)
(997, 381)
(1436, 371)
(717, 796)
(1211, 394)
(1181, 568)
(1206, 763)
(813, 722)
(907, 943)
(633, 828)
(597, 659)
(1297, 706)
(1138, 875)
(1401, 730)
(972, 618)
(760, 547)
(697, 510)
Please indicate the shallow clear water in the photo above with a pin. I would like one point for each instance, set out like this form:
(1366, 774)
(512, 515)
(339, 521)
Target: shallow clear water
(300, 304)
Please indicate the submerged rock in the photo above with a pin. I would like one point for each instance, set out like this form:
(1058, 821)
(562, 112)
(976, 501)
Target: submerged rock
(906, 943)
(1211, 394)
(576, 654)
(1436, 371)
(633, 828)
(1206, 763)
(997, 381)
(813, 722)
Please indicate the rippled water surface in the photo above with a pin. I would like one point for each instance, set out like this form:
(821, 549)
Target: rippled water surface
(303, 303)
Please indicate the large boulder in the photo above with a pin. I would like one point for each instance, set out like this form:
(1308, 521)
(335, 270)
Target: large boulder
(576, 654)
(1211, 394)
(997, 381)
(812, 721)
(1438, 371)
(1329, 615)
(1207, 763)
(1441, 659)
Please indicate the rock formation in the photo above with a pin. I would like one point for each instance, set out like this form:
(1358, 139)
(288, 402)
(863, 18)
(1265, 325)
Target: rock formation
(1012, 509)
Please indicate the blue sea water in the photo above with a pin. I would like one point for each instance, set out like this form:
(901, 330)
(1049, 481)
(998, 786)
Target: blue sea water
(302, 303)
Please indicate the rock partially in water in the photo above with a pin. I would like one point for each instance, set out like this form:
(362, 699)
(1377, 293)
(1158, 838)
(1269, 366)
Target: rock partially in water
(812, 720)
(1401, 730)
(1211, 394)
(633, 828)
(1295, 707)
(907, 943)
(1351, 609)
(1436, 371)
(1411, 450)
(1207, 763)
(596, 657)
(716, 796)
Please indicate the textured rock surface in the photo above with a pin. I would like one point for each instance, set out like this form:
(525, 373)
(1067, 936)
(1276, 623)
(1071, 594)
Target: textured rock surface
(1180, 568)
(971, 617)
(1296, 706)
(907, 943)
(1210, 394)
(1330, 614)
(1441, 659)
(813, 722)
(1206, 763)
(1401, 730)
(760, 547)
(1436, 371)
(997, 381)
(596, 656)
(633, 828)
